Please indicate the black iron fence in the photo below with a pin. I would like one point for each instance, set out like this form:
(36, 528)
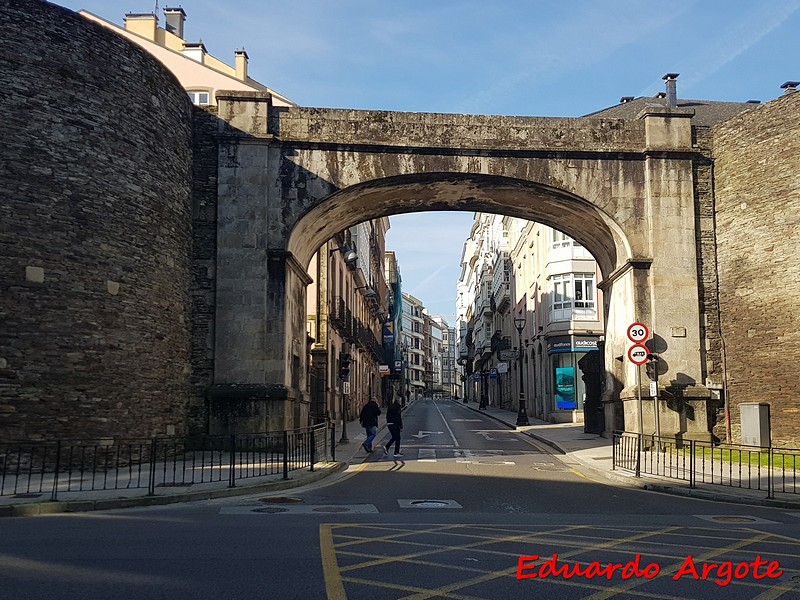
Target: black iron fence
(771, 470)
(36, 468)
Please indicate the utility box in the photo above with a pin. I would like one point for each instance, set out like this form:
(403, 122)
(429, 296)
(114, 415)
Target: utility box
(755, 424)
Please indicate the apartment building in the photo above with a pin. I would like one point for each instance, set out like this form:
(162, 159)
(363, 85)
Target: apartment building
(527, 300)
(199, 72)
(347, 312)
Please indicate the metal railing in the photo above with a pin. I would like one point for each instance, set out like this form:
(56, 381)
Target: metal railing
(36, 468)
(771, 470)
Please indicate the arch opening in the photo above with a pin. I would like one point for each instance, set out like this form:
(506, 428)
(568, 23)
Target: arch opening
(558, 209)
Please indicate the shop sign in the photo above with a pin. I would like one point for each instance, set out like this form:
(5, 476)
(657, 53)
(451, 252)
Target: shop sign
(388, 333)
(571, 343)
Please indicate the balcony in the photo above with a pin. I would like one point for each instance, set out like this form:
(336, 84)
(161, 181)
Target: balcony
(500, 341)
(342, 320)
(484, 306)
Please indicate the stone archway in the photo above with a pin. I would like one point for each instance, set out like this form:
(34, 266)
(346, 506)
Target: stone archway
(289, 179)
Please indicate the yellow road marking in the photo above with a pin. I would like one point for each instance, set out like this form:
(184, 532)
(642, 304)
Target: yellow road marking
(330, 567)
(672, 569)
(347, 535)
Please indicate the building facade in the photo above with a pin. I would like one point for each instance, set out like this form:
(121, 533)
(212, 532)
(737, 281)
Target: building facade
(347, 311)
(536, 308)
(200, 73)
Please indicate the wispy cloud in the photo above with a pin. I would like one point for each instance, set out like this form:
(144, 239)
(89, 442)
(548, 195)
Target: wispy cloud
(726, 44)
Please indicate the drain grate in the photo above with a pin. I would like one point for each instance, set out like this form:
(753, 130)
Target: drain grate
(332, 509)
(271, 510)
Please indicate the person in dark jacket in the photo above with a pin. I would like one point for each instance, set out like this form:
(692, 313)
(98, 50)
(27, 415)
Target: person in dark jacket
(394, 421)
(369, 421)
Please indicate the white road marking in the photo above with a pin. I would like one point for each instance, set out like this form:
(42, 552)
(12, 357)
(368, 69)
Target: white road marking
(427, 455)
(422, 433)
(455, 441)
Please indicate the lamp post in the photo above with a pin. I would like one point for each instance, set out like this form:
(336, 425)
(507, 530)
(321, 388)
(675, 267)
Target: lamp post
(463, 376)
(522, 414)
(403, 380)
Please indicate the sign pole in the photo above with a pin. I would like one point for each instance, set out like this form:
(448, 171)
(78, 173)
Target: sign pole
(639, 397)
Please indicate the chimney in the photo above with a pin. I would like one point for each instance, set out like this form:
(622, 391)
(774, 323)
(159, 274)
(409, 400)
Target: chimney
(195, 51)
(672, 90)
(790, 86)
(143, 24)
(175, 18)
(241, 64)
(626, 99)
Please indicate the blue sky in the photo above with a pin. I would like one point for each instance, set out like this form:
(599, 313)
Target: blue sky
(508, 57)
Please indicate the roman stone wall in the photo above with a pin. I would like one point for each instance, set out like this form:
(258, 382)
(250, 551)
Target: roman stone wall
(95, 232)
(757, 190)
(711, 356)
(204, 261)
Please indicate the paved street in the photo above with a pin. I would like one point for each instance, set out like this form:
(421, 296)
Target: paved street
(449, 519)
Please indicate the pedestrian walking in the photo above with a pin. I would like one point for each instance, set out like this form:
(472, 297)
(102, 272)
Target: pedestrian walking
(369, 421)
(394, 421)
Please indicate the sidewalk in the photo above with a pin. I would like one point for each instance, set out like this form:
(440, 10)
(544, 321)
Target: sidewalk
(590, 452)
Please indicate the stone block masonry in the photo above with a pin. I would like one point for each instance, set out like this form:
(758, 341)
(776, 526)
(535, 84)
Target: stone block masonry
(95, 232)
(757, 191)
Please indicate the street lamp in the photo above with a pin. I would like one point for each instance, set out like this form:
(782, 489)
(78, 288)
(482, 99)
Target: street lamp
(350, 256)
(522, 414)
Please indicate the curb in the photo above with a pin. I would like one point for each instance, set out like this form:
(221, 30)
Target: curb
(50, 508)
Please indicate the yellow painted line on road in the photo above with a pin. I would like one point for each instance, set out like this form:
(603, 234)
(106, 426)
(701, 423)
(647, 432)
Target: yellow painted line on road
(512, 571)
(669, 571)
(334, 587)
(343, 540)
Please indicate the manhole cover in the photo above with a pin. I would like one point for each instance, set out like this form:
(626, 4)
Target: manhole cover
(332, 509)
(735, 519)
(280, 500)
(427, 503)
(271, 509)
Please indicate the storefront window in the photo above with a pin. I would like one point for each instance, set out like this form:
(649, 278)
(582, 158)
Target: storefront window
(569, 388)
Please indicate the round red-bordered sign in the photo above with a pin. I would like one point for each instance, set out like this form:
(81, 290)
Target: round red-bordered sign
(638, 332)
(638, 353)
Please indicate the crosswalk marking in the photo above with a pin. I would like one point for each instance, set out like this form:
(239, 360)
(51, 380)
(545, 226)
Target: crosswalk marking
(427, 455)
(461, 456)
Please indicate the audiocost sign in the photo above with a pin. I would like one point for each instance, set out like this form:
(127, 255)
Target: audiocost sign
(637, 354)
(638, 332)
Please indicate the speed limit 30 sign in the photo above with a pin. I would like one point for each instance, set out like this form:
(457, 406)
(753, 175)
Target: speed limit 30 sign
(638, 332)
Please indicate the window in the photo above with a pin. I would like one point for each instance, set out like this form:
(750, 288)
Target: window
(561, 240)
(573, 297)
(200, 98)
